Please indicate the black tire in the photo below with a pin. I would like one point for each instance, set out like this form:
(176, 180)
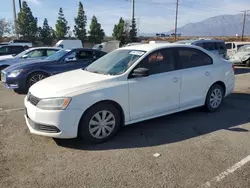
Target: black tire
(208, 103)
(84, 125)
(38, 75)
(248, 63)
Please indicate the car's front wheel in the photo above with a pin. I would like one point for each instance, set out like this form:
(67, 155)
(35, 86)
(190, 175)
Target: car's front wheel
(34, 78)
(214, 98)
(100, 123)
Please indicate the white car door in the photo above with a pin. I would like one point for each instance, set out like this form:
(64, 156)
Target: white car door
(158, 92)
(196, 76)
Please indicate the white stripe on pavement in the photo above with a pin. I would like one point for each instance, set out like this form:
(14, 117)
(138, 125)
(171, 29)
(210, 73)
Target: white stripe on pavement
(11, 110)
(230, 170)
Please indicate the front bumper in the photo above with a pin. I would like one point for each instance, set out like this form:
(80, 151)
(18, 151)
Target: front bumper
(57, 123)
(13, 83)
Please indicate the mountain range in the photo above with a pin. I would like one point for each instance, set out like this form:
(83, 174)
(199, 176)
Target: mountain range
(223, 25)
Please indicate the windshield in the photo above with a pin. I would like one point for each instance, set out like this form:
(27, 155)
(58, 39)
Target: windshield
(116, 62)
(244, 49)
(58, 55)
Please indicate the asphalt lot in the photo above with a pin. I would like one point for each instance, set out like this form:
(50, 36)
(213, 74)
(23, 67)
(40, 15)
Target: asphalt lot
(197, 149)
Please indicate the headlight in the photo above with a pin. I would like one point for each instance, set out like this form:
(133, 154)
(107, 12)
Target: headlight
(14, 73)
(245, 57)
(54, 103)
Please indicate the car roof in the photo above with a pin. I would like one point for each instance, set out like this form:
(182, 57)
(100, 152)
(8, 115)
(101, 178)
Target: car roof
(88, 49)
(157, 46)
(35, 48)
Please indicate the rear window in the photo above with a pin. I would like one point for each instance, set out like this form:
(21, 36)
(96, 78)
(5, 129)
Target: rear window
(210, 46)
(220, 46)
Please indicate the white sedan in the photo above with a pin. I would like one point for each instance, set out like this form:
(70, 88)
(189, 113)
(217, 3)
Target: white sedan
(128, 85)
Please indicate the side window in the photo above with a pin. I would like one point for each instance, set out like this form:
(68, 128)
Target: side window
(199, 44)
(16, 49)
(233, 45)
(3, 50)
(50, 52)
(99, 54)
(81, 55)
(159, 62)
(37, 53)
(229, 46)
(209, 46)
(190, 58)
(220, 46)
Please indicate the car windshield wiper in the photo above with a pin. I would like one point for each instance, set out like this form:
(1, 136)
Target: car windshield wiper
(97, 72)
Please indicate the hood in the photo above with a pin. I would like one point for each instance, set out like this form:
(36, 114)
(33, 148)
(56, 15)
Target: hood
(4, 57)
(240, 54)
(67, 83)
(13, 61)
(27, 63)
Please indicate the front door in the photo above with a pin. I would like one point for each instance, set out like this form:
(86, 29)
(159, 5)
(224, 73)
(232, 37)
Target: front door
(196, 76)
(159, 92)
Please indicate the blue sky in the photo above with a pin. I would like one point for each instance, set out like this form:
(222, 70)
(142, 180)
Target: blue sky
(152, 15)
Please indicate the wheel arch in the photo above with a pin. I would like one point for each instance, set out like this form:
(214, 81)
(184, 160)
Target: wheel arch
(106, 101)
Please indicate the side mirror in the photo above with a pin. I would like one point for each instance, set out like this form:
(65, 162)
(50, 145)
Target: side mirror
(140, 72)
(25, 56)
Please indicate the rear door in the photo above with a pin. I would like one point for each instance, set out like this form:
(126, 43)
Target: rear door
(196, 76)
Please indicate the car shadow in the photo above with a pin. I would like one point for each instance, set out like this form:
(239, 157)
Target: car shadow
(176, 127)
(241, 70)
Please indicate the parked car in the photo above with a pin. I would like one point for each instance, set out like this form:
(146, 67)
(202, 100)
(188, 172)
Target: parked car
(242, 56)
(233, 47)
(11, 49)
(23, 75)
(31, 53)
(67, 44)
(24, 43)
(128, 85)
(217, 47)
(108, 46)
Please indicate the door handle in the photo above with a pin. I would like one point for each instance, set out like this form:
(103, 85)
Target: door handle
(207, 73)
(176, 79)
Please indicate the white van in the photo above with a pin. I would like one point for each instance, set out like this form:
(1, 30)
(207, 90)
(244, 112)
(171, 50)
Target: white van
(233, 47)
(68, 44)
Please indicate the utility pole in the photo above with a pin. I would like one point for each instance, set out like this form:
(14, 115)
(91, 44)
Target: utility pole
(244, 23)
(20, 4)
(14, 13)
(133, 10)
(176, 18)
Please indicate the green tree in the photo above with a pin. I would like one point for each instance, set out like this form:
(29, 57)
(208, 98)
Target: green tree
(80, 23)
(133, 31)
(46, 33)
(26, 23)
(121, 32)
(62, 27)
(5, 27)
(96, 33)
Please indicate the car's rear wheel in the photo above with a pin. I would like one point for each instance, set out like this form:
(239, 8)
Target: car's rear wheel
(100, 123)
(34, 78)
(214, 98)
